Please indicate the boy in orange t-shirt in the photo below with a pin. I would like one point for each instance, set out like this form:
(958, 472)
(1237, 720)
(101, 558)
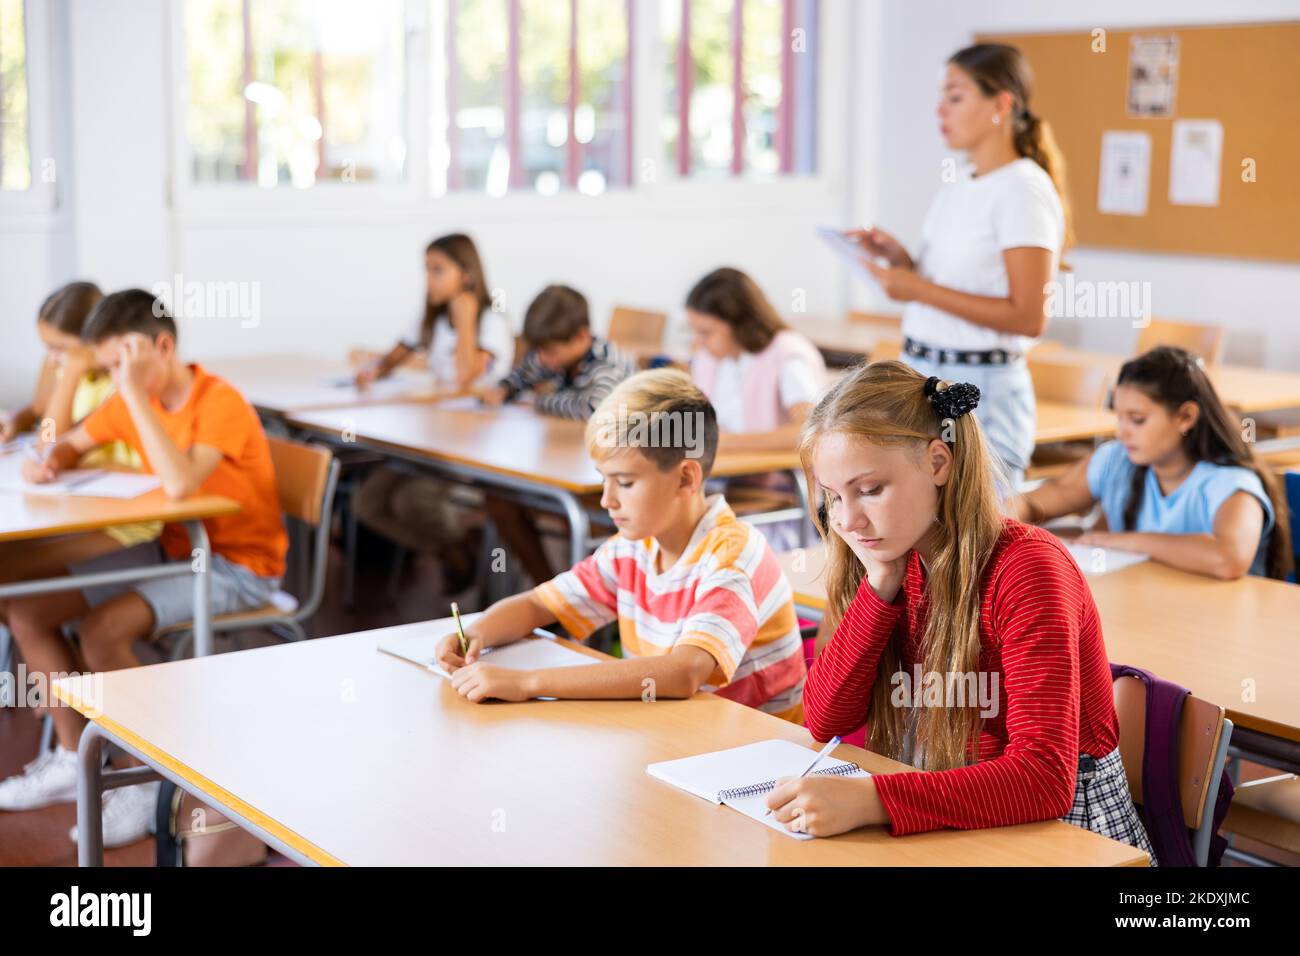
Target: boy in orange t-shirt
(198, 434)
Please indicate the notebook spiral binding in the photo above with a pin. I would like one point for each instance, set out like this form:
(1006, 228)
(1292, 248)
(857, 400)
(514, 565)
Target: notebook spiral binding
(753, 790)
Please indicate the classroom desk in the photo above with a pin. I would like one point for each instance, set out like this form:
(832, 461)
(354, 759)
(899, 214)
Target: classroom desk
(277, 385)
(1241, 387)
(842, 336)
(27, 517)
(338, 754)
(1209, 636)
(511, 446)
(1061, 422)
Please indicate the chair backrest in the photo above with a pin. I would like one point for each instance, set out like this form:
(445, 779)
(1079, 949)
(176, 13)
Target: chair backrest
(637, 330)
(1073, 383)
(1203, 340)
(305, 479)
(887, 323)
(1200, 730)
(302, 475)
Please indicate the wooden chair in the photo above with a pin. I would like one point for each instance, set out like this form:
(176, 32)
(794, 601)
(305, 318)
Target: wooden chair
(1072, 383)
(1266, 811)
(1203, 340)
(637, 332)
(305, 478)
(1203, 735)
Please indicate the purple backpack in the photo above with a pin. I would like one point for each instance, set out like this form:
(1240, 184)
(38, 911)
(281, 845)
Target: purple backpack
(1161, 809)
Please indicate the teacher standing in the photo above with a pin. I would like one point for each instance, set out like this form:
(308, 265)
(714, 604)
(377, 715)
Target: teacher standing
(991, 245)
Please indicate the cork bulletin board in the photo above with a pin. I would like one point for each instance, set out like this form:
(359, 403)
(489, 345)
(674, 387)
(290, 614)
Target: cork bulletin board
(1245, 77)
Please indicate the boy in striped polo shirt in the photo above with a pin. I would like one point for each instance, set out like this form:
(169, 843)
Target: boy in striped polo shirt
(700, 600)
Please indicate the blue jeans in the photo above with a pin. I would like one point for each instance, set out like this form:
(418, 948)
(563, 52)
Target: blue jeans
(1006, 411)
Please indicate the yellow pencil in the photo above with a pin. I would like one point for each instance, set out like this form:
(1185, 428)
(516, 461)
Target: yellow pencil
(464, 644)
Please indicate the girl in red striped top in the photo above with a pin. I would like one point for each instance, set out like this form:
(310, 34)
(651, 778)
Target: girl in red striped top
(967, 642)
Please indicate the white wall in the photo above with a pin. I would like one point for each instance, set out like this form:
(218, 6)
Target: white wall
(329, 280)
(1258, 302)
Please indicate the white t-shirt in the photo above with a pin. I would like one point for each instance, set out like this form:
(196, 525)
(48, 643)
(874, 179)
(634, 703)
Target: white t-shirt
(494, 336)
(795, 384)
(969, 225)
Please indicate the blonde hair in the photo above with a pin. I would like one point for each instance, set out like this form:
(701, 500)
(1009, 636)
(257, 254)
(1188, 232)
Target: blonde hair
(885, 403)
(661, 403)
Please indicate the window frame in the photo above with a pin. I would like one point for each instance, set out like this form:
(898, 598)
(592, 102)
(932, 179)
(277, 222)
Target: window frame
(668, 194)
(20, 209)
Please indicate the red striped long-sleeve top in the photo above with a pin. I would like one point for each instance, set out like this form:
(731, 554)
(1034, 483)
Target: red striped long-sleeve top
(1040, 634)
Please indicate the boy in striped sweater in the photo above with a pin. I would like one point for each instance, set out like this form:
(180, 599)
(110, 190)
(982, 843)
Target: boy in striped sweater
(700, 600)
(568, 368)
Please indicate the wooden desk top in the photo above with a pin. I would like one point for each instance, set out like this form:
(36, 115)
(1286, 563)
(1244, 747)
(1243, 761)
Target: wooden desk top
(841, 335)
(1209, 636)
(1242, 387)
(1058, 421)
(1225, 641)
(281, 384)
(42, 516)
(511, 440)
(354, 756)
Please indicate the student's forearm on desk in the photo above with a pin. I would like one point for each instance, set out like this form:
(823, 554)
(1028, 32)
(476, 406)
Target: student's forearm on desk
(1198, 553)
(510, 619)
(675, 675)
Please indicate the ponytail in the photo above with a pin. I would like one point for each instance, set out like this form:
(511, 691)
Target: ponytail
(996, 67)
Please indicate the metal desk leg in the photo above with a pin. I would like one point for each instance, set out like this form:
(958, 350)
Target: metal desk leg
(801, 489)
(200, 555)
(579, 524)
(90, 797)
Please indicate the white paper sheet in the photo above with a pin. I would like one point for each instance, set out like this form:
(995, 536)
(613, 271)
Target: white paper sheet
(1125, 173)
(527, 654)
(710, 775)
(1195, 157)
(1152, 75)
(82, 482)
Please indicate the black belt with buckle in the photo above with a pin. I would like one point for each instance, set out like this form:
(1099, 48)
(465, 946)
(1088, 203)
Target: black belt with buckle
(959, 356)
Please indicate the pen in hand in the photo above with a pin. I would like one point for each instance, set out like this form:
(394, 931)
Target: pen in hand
(825, 752)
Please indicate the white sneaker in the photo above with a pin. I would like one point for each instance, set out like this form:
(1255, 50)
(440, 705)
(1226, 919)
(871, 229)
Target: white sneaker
(49, 779)
(128, 814)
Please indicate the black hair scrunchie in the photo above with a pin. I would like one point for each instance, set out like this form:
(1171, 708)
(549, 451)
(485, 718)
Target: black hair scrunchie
(955, 400)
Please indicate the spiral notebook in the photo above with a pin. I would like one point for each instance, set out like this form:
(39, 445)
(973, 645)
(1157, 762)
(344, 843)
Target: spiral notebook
(742, 777)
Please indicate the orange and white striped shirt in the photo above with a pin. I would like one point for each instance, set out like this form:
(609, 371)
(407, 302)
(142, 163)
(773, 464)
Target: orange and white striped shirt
(726, 594)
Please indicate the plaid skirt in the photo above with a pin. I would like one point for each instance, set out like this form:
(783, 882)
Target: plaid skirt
(1103, 804)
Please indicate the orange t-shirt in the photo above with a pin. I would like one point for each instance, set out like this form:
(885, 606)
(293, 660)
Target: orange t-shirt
(214, 414)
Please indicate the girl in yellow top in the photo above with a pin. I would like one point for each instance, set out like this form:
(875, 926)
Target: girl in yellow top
(71, 387)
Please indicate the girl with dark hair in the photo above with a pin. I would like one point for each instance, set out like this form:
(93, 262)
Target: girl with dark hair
(977, 290)
(1180, 484)
(466, 342)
